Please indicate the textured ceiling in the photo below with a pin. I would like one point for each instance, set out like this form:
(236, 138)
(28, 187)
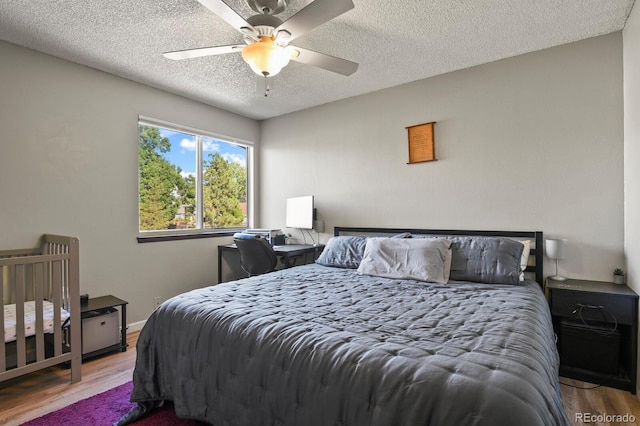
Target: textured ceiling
(393, 41)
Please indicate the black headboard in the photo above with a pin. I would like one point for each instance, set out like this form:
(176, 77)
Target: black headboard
(536, 238)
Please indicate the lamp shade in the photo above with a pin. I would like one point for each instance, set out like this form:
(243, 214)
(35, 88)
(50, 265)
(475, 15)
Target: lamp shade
(265, 57)
(557, 249)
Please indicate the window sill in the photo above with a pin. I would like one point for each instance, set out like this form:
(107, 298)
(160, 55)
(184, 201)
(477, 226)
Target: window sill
(154, 238)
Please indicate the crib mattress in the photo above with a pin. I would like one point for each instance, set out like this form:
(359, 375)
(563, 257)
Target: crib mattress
(10, 320)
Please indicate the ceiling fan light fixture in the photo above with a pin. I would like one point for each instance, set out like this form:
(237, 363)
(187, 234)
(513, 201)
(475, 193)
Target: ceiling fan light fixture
(265, 57)
(282, 38)
(293, 52)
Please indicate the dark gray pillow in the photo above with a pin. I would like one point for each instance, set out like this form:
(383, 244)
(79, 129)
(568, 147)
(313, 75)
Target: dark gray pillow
(343, 252)
(486, 260)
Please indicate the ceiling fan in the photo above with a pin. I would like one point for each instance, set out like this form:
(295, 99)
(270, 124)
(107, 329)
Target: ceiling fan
(267, 37)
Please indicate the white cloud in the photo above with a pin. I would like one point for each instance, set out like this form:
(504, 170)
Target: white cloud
(185, 174)
(188, 144)
(209, 145)
(166, 133)
(234, 158)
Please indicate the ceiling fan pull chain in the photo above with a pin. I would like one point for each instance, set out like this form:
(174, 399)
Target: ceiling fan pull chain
(266, 86)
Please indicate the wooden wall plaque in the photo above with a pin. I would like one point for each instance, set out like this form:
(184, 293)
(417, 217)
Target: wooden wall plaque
(421, 144)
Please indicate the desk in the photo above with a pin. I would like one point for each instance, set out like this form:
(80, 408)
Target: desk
(290, 255)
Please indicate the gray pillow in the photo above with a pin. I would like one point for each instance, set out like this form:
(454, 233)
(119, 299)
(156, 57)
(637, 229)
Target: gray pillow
(346, 251)
(486, 260)
(414, 259)
(343, 252)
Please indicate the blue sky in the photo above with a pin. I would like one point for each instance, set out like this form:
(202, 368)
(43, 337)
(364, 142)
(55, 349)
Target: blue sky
(183, 150)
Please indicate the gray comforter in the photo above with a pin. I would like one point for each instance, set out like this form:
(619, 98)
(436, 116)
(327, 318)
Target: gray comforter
(315, 345)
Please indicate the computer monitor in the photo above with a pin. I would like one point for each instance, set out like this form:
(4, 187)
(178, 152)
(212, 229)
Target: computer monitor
(300, 212)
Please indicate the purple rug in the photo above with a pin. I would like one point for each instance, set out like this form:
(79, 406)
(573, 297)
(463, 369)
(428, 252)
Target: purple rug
(106, 408)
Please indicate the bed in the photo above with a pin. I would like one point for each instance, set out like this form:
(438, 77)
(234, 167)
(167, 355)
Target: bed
(40, 307)
(334, 343)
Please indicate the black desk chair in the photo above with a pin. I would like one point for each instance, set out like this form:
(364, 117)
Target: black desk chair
(256, 254)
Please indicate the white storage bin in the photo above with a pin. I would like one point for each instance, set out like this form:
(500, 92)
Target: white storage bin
(99, 330)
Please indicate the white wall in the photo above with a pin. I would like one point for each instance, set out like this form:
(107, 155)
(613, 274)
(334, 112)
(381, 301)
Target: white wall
(69, 165)
(631, 35)
(533, 142)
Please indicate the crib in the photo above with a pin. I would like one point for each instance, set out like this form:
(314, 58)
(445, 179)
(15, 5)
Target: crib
(40, 307)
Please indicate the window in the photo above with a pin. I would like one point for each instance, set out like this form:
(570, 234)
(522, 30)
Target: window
(190, 181)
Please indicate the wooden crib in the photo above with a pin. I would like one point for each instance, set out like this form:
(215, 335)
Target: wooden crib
(40, 307)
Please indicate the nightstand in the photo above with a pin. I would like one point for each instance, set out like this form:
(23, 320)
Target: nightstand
(597, 328)
(101, 330)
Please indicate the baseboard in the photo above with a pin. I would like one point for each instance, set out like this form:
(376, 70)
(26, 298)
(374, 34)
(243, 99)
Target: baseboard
(135, 326)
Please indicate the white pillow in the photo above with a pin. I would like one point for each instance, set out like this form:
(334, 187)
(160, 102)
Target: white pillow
(524, 260)
(423, 259)
(447, 265)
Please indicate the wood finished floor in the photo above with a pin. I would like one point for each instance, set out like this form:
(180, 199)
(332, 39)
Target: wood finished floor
(39, 393)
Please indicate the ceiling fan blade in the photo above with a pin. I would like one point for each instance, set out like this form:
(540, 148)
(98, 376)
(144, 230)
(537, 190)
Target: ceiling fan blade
(315, 13)
(221, 9)
(327, 62)
(203, 51)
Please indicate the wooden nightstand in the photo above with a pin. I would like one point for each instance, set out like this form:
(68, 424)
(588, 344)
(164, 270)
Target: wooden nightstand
(597, 328)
